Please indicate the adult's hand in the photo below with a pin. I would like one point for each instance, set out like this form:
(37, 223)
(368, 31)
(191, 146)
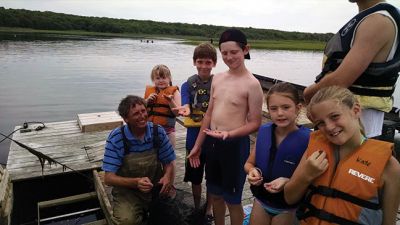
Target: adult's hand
(167, 185)
(144, 184)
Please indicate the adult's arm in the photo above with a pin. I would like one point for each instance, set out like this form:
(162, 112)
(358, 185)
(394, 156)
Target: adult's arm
(167, 181)
(373, 33)
(142, 183)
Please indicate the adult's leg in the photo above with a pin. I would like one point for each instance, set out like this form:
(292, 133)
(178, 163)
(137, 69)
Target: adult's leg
(258, 215)
(128, 209)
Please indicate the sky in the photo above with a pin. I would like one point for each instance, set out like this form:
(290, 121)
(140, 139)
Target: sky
(319, 16)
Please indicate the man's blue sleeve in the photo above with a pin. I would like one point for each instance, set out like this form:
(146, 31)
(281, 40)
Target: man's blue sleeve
(114, 152)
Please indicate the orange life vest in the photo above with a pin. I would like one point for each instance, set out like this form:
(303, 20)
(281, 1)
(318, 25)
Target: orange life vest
(348, 192)
(159, 111)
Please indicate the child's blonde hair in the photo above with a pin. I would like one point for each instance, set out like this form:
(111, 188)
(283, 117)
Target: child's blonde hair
(162, 71)
(284, 89)
(341, 95)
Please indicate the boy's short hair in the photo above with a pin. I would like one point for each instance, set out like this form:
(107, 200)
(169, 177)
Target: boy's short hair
(205, 51)
(236, 35)
(127, 103)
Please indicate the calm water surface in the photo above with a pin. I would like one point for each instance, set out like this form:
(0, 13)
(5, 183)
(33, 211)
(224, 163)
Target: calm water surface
(54, 80)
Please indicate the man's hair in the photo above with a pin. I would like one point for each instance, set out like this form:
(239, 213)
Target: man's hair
(127, 103)
(205, 51)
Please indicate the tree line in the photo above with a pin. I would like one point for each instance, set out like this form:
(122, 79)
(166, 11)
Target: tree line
(60, 21)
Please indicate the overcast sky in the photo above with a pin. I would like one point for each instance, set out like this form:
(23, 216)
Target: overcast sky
(290, 15)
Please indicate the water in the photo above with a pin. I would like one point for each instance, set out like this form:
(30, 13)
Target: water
(54, 79)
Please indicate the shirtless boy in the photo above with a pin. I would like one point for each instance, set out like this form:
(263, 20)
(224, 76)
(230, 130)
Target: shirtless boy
(233, 113)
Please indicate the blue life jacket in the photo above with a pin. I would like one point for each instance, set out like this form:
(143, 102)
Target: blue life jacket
(378, 79)
(278, 162)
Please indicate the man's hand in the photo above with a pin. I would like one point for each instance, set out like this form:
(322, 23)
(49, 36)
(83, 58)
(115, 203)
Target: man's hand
(217, 134)
(152, 98)
(167, 185)
(254, 177)
(144, 184)
(194, 157)
(276, 185)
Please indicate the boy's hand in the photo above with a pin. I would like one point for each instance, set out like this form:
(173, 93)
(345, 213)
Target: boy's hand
(182, 111)
(144, 185)
(194, 157)
(152, 98)
(254, 177)
(217, 134)
(276, 185)
(315, 165)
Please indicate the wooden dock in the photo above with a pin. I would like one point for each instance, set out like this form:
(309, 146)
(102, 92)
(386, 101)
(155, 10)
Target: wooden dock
(80, 151)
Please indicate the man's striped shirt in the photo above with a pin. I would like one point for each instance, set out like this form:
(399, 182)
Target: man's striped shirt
(114, 149)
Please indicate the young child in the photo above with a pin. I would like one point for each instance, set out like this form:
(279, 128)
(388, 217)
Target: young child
(234, 111)
(348, 178)
(161, 99)
(279, 148)
(195, 98)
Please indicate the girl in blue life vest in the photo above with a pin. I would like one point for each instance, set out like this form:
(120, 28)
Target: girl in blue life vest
(344, 178)
(279, 148)
(162, 99)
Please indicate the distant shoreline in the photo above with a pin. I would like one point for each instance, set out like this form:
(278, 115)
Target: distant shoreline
(291, 45)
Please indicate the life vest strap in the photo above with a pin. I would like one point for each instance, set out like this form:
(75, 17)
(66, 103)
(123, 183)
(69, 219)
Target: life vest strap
(334, 193)
(153, 105)
(156, 140)
(371, 92)
(153, 113)
(324, 215)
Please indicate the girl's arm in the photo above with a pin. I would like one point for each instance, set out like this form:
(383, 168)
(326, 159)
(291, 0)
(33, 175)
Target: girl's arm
(174, 102)
(307, 170)
(254, 177)
(391, 191)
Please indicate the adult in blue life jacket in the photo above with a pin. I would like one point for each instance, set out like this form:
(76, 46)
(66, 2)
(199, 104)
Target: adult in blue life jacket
(279, 148)
(364, 56)
(139, 162)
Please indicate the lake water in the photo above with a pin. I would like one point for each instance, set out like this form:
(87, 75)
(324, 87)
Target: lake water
(54, 80)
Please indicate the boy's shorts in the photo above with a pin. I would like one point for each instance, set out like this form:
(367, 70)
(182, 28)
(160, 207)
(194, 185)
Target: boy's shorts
(193, 175)
(230, 198)
(224, 167)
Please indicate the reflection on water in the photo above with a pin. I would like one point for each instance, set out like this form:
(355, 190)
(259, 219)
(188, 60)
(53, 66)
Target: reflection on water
(55, 79)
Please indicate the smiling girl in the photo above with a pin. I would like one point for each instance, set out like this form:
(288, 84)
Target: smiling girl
(346, 177)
